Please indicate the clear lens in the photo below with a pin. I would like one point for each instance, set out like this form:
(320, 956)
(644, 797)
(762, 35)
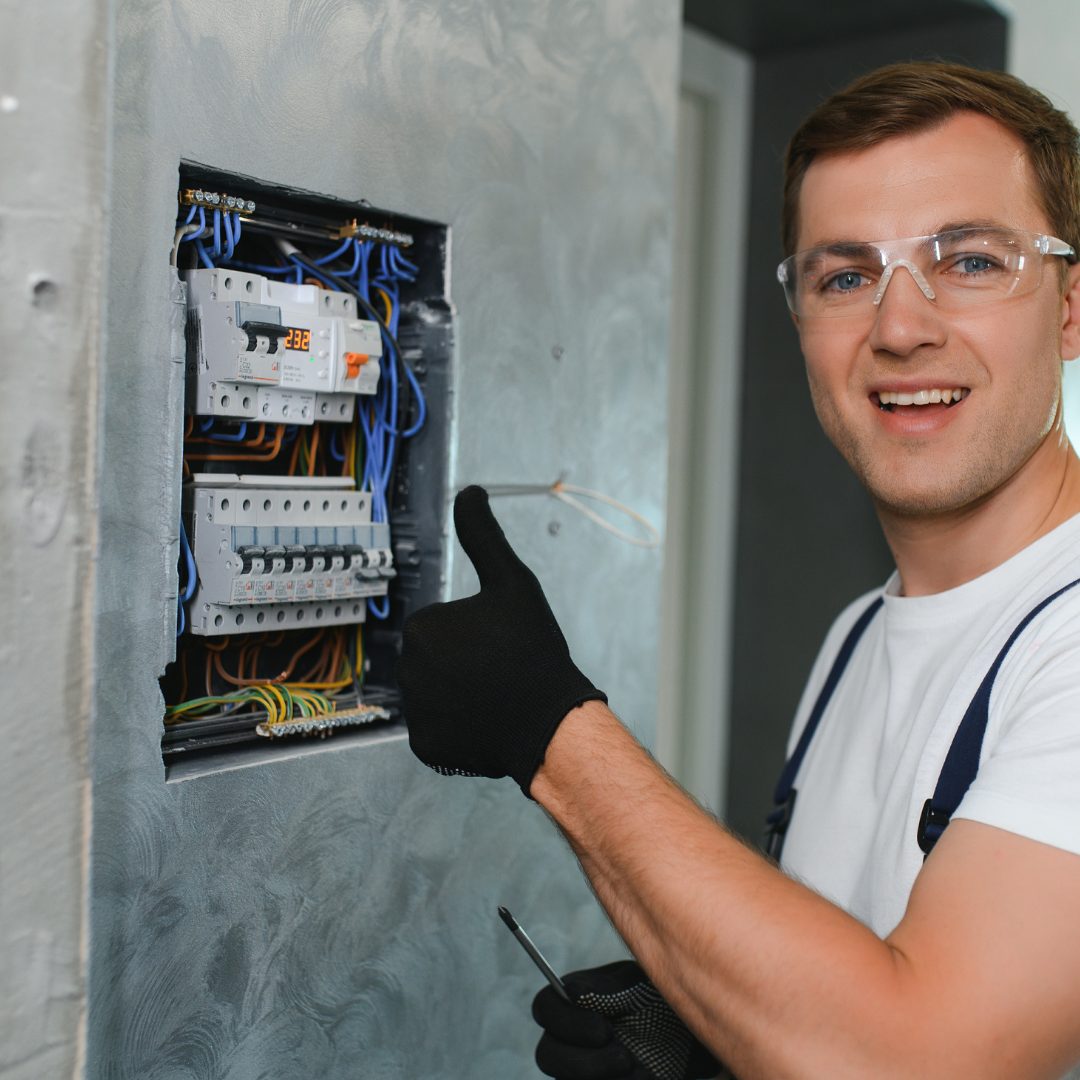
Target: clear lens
(955, 270)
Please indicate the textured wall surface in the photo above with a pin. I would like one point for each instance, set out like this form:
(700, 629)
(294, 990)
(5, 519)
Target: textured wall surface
(53, 78)
(334, 915)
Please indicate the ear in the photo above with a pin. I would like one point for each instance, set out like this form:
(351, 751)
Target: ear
(1070, 315)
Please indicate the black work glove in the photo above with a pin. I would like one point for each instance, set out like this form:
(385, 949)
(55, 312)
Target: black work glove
(619, 1028)
(486, 680)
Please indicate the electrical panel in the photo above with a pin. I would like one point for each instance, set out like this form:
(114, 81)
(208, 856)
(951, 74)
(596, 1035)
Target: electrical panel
(318, 339)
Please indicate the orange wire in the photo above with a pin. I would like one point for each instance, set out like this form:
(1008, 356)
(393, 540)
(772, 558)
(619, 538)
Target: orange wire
(241, 680)
(246, 457)
(295, 454)
(313, 446)
(388, 303)
(350, 451)
(319, 664)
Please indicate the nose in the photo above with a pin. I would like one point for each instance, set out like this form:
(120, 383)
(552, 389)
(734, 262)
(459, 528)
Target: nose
(906, 317)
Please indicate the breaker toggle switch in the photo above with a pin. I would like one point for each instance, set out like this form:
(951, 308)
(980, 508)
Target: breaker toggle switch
(260, 332)
(249, 555)
(353, 363)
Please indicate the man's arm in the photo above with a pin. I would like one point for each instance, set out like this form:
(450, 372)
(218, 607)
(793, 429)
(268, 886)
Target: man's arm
(981, 978)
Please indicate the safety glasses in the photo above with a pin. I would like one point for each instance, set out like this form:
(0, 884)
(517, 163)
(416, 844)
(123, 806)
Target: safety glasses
(956, 269)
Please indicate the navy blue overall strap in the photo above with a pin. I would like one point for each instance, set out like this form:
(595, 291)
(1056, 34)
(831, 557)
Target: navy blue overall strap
(784, 797)
(962, 760)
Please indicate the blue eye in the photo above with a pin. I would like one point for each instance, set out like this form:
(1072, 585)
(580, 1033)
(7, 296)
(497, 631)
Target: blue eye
(846, 281)
(974, 264)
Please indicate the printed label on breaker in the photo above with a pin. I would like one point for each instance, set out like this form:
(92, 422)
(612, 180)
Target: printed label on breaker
(243, 591)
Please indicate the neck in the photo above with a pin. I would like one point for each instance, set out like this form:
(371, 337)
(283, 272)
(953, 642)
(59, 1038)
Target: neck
(941, 551)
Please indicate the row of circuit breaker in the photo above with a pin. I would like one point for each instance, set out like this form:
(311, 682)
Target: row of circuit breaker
(279, 552)
(276, 557)
(276, 352)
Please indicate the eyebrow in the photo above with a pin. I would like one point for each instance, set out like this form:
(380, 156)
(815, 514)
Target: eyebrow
(843, 249)
(855, 249)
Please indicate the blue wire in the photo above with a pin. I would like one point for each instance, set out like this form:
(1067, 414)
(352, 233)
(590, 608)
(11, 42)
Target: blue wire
(236, 228)
(188, 591)
(230, 243)
(380, 436)
(379, 613)
(216, 251)
(191, 214)
(202, 225)
(203, 257)
(356, 260)
(206, 425)
(421, 403)
(240, 436)
(335, 438)
(404, 266)
(189, 563)
(334, 254)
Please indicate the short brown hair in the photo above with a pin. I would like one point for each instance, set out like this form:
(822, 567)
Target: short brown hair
(903, 99)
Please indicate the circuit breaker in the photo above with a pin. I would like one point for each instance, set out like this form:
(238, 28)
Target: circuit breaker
(275, 351)
(283, 552)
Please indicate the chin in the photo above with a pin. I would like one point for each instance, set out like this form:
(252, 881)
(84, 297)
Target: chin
(927, 496)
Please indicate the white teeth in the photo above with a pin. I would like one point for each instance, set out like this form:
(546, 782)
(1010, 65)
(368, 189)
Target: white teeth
(919, 397)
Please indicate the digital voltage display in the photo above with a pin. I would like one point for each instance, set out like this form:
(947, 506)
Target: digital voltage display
(297, 338)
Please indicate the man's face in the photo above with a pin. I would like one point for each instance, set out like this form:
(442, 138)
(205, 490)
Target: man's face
(1005, 357)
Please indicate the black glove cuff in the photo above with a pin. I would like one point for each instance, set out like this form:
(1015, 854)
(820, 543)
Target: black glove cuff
(559, 712)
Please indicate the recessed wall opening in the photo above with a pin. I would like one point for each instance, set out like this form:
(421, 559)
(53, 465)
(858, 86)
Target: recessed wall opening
(318, 340)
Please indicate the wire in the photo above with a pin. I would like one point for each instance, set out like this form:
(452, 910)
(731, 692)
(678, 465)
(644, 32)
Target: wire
(230, 241)
(221, 436)
(189, 564)
(566, 493)
(334, 254)
(274, 450)
(379, 611)
(191, 577)
(204, 258)
(184, 232)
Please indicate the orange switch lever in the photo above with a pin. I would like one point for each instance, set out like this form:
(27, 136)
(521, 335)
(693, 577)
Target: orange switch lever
(354, 361)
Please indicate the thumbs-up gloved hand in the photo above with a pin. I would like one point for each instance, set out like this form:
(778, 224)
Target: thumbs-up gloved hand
(486, 680)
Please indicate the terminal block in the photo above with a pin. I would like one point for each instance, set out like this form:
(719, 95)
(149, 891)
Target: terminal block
(276, 553)
(276, 352)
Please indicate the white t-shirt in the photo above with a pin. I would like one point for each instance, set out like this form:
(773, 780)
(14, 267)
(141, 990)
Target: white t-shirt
(878, 751)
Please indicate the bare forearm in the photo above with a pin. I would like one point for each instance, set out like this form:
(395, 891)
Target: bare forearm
(774, 979)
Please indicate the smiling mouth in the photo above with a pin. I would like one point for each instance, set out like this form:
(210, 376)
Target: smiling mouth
(889, 400)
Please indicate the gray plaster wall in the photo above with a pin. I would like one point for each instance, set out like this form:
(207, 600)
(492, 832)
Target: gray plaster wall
(334, 915)
(54, 79)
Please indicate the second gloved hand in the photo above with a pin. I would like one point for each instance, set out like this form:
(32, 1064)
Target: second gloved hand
(486, 680)
(619, 1028)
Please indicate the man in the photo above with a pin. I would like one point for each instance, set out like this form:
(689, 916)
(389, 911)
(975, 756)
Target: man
(931, 216)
